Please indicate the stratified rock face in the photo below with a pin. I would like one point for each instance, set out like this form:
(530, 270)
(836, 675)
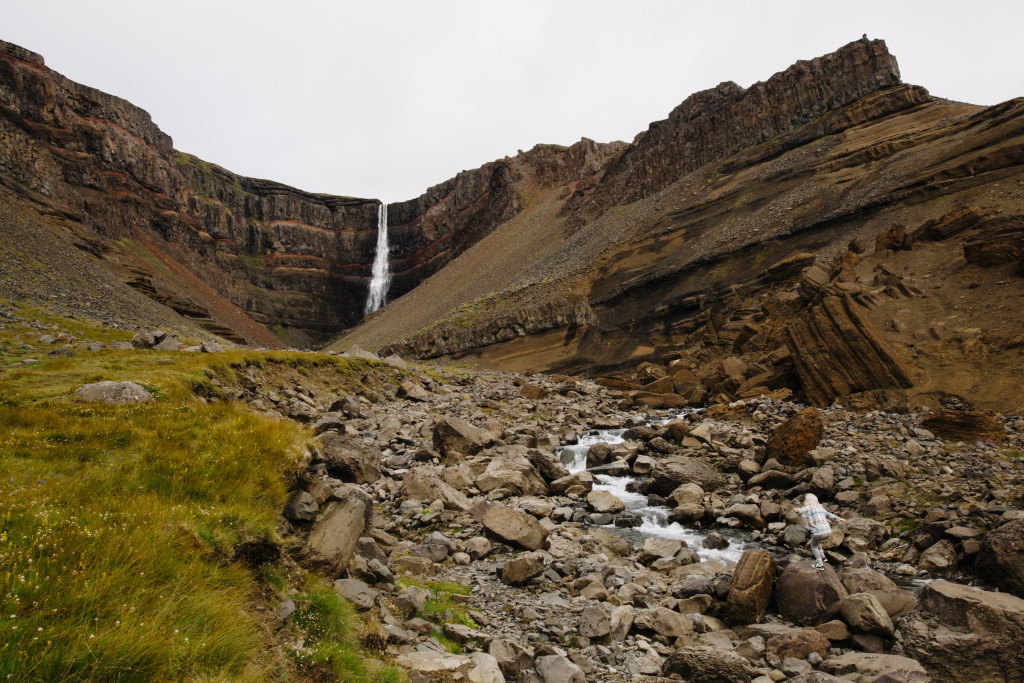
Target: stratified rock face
(283, 256)
(961, 633)
(837, 351)
(715, 123)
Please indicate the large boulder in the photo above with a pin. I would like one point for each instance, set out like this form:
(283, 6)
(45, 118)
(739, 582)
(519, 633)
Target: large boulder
(675, 471)
(509, 469)
(865, 614)
(515, 527)
(794, 439)
(332, 542)
(558, 669)
(751, 589)
(114, 392)
(807, 595)
(868, 667)
(427, 483)
(962, 633)
(594, 623)
(604, 501)
(1001, 558)
(798, 643)
(701, 664)
(452, 434)
(965, 425)
(438, 667)
(350, 459)
(863, 579)
(522, 568)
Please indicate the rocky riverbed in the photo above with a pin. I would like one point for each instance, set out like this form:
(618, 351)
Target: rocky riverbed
(462, 479)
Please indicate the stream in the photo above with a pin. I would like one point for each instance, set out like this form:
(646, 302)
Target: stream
(655, 517)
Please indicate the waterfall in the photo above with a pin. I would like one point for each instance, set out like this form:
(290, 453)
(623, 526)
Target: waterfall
(378, 293)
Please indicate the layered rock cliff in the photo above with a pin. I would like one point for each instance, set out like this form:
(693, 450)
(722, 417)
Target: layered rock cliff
(721, 228)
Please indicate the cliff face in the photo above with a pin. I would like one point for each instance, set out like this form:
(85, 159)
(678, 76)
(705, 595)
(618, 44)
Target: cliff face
(242, 256)
(713, 124)
(737, 228)
(291, 260)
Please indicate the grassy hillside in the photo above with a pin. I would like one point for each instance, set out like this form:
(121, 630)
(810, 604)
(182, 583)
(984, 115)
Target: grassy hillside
(122, 526)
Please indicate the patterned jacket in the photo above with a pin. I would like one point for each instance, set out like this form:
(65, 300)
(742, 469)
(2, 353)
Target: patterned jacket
(817, 518)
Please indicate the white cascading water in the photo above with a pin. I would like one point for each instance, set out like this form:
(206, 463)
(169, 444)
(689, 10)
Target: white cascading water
(378, 293)
(655, 518)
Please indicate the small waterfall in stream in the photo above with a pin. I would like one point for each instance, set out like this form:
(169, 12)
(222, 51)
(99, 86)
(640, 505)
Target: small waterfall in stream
(378, 293)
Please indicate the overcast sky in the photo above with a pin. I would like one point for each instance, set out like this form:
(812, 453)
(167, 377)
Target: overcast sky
(386, 98)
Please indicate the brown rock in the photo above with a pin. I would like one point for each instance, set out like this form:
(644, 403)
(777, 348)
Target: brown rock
(797, 643)
(522, 568)
(838, 351)
(454, 434)
(806, 595)
(751, 589)
(707, 664)
(866, 667)
(1001, 558)
(515, 527)
(332, 542)
(865, 614)
(895, 238)
(961, 633)
(965, 425)
(350, 459)
(791, 441)
(674, 471)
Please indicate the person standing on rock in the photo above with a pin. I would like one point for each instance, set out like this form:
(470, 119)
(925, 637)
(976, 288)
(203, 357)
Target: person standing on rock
(818, 520)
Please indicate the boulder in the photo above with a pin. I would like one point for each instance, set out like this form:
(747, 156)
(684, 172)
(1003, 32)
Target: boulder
(863, 579)
(427, 483)
(751, 588)
(511, 655)
(356, 592)
(669, 623)
(797, 643)
(702, 664)
(961, 633)
(580, 482)
(594, 623)
(865, 614)
(438, 667)
(515, 527)
(674, 471)
(621, 622)
(413, 391)
(114, 392)
(939, 558)
(547, 464)
(511, 470)
(658, 548)
(452, 434)
(301, 507)
(522, 568)
(867, 667)
(332, 542)
(604, 501)
(807, 595)
(612, 544)
(1001, 558)
(558, 669)
(478, 547)
(965, 425)
(794, 439)
(350, 459)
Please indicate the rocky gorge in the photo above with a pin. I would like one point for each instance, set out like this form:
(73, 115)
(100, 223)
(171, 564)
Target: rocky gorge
(444, 503)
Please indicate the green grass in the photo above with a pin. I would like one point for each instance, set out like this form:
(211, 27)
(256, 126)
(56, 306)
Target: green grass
(119, 523)
(441, 607)
(331, 626)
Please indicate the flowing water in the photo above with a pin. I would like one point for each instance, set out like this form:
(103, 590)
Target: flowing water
(378, 293)
(655, 518)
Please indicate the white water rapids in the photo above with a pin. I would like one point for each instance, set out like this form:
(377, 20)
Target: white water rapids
(378, 293)
(655, 518)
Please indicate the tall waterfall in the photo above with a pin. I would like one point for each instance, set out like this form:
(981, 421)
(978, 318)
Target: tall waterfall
(381, 273)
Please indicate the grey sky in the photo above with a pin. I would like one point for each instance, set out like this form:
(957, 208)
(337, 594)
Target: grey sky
(384, 99)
